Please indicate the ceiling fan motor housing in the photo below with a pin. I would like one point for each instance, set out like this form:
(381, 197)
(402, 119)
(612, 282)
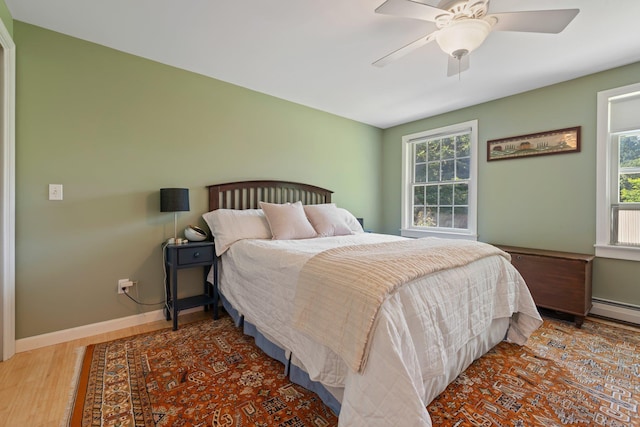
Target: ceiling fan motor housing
(462, 37)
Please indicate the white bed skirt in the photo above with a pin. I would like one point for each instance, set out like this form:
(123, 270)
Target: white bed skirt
(332, 396)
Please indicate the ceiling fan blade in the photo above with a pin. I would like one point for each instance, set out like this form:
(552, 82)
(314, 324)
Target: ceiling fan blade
(535, 21)
(413, 9)
(456, 66)
(405, 50)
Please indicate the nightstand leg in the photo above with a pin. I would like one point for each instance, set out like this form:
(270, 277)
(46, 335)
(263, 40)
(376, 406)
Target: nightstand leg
(174, 297)
(167, 302)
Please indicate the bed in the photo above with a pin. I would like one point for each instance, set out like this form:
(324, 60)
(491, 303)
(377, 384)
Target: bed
(381, 368)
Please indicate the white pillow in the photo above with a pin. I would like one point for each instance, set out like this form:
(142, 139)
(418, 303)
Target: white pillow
(288, 221)
(229, 225)
(351, 221)
(327, 220)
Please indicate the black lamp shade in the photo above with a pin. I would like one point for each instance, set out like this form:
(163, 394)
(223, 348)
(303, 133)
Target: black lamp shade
(174, 199)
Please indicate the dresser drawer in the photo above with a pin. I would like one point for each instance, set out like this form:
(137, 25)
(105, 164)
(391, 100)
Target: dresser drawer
(196, 255)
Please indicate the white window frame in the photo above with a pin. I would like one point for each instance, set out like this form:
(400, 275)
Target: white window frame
(407, 229)
(607, 175)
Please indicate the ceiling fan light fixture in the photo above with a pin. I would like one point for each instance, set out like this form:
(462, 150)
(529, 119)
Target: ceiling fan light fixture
(462, 37)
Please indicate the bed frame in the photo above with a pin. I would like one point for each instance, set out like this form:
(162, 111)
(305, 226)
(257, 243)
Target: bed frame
(248, 194)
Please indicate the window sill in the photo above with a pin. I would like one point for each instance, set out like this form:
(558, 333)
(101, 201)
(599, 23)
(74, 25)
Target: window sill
(618, 252)
(416, 234)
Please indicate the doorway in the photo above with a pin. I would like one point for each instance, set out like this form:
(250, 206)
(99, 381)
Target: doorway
(7, 194)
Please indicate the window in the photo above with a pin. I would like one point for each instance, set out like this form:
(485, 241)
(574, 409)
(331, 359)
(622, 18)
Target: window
(439, 182)
(618, 174)
(625, 228)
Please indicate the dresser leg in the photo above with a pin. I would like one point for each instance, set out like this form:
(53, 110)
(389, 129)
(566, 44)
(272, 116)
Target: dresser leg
(579, 321)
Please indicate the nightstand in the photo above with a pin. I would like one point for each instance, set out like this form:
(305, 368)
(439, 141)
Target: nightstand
(189, 255)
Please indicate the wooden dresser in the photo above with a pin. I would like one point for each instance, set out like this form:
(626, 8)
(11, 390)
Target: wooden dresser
(559, 281)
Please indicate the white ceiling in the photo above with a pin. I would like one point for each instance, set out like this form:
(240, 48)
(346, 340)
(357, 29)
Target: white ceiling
(319, 52)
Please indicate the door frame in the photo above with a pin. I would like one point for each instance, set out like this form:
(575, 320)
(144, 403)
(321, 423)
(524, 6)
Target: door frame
(7, 193)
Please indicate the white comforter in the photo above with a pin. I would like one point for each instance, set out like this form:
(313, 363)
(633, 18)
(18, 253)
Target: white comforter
(439, 313)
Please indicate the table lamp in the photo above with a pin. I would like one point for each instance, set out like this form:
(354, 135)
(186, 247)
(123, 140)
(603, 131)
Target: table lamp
(174, 200)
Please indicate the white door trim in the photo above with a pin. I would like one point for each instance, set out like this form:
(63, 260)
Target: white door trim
(7, 193)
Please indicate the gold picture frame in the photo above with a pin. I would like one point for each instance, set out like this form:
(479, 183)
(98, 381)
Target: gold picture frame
(557, 141)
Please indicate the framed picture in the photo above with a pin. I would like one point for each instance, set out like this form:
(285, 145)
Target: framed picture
(536, 144)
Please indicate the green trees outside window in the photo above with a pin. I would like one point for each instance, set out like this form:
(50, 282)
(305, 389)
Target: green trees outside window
(629, 150)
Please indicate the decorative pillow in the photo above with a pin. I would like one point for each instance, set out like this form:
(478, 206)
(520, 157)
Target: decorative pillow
(351, 221)
(229, 225)
(287, 221)
(327, 220)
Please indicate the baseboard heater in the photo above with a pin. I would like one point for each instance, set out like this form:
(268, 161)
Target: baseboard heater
(616, 310)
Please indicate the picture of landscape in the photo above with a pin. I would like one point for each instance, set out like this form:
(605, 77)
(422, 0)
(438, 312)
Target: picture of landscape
(549, 142)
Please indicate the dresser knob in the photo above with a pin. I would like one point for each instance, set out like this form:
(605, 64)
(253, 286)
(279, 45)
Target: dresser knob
(196, 255)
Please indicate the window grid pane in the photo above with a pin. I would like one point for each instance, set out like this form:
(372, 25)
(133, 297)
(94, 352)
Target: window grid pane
(420, 173)
(461, 194)
(445, 217)
(446, 195)
(431, 198)
(418, 196)
(460, 217)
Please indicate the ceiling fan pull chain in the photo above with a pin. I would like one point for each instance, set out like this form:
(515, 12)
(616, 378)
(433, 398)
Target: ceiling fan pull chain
(458, 54)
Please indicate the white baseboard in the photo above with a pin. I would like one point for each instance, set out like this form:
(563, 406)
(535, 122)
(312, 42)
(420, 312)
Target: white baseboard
(615, 310)
(57, 337)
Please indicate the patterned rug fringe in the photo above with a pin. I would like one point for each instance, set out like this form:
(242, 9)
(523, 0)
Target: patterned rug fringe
(73, 387)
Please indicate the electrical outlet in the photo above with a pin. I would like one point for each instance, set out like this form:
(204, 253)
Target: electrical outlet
(124, 285)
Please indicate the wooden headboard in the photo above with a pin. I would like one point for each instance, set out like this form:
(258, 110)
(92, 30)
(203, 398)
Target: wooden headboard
(248, 194)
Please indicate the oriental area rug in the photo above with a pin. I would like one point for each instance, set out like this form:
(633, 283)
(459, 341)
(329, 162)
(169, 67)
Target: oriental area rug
(563, 376)
(210, 374)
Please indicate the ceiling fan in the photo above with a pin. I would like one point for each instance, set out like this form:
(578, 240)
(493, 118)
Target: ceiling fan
(463, 25)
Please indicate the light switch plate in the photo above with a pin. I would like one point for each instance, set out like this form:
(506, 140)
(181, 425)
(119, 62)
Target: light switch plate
(55, 191)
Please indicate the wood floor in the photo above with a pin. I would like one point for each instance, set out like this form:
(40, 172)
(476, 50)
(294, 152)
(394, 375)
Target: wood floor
(35, 385)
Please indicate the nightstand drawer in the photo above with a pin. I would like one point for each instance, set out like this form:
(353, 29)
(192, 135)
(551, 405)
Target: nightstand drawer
(197, 255)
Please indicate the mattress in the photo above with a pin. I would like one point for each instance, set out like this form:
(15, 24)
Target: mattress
(453, 316)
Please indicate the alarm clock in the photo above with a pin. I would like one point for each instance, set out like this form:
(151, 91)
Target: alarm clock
(194, 233)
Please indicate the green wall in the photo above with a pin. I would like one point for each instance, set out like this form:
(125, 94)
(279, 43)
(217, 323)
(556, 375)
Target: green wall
(114, 129)
(5, 16)
(546, 202)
